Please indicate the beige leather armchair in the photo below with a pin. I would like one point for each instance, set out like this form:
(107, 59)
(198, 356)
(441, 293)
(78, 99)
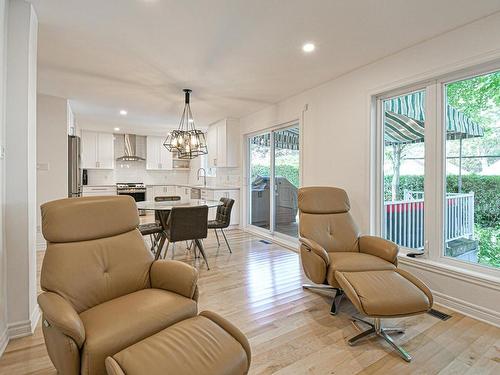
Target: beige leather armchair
(331, 241)
(102, 290)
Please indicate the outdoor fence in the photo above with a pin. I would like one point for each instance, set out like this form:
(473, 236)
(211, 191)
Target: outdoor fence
(404, 220)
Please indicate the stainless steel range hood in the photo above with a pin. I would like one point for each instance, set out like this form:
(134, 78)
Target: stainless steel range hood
(130, 149)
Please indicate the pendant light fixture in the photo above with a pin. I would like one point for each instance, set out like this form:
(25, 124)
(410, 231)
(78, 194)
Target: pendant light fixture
(187, 141)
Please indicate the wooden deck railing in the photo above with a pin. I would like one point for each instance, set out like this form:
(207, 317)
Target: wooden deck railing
(403, 221)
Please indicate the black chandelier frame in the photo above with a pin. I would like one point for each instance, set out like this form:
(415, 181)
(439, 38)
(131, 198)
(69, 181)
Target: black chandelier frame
(187, 141)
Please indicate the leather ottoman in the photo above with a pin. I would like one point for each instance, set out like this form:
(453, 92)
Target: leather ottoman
(206, 344)
(385, 294)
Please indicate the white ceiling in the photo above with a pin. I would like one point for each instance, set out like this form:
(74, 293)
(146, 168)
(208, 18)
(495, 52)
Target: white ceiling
(237, 55)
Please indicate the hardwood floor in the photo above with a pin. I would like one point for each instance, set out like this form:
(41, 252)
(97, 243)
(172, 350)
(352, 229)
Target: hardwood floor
(258, 288)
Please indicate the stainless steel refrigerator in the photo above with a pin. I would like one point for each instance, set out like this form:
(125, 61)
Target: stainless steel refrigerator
(74, 170)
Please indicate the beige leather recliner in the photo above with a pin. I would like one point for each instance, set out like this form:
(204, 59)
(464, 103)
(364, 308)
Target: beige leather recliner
(102, 290)
(330, 240)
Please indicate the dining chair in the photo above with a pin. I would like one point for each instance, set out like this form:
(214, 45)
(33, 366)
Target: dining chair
(222, 219)
(155, 230)
(188, 223)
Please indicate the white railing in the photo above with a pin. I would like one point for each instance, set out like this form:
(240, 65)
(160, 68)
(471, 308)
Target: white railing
(403, 221)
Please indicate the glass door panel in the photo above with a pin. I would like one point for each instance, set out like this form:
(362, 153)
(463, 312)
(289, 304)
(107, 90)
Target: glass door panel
(403, 173)
(260, 181)
(286, 177)
(472, 210)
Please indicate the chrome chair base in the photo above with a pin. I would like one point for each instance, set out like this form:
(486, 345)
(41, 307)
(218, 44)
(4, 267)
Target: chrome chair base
(377, 329)
(337, 298)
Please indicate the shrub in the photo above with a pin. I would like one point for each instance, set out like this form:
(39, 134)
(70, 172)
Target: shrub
(489, 245)
(290, 172)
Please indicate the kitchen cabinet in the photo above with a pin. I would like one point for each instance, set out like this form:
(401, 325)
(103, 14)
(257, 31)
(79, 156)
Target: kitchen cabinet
(216, 195)
(223, 141)
(183, 192)
(93, 191)
(163, 190)
(97, 150)
(157, 156)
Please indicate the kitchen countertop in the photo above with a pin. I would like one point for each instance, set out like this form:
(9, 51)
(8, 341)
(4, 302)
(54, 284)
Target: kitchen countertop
(212, 187)
(208, 187)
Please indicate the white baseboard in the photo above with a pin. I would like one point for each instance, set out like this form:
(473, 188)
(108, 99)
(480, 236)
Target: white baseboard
(26, 327)
(463, 307)
(4, 340)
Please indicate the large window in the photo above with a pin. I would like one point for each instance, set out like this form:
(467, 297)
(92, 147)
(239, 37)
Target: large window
(440, 169)
(472, 207)
(404, 169)
(274, 180)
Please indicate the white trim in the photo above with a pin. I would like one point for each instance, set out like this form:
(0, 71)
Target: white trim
(461, 274)
(26, 327)
(41, 244)
(463, 307)
(272, 183)
(4, 340)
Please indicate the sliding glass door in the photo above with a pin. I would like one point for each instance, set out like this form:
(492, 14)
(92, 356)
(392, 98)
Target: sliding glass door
(260, 180)
(274, 174)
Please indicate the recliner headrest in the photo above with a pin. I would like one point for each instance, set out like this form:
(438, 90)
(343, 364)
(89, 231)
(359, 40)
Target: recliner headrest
(88, 218)
(323, 200)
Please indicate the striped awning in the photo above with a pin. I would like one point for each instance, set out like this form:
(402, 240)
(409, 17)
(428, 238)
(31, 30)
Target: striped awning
(405, 121)
(283, 139)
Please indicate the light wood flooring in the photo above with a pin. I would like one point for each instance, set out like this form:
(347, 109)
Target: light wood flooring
(258, 288)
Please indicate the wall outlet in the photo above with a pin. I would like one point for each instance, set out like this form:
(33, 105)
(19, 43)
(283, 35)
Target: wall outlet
(42, 166)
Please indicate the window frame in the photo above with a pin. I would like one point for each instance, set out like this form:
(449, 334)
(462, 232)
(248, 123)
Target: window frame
(435, 168)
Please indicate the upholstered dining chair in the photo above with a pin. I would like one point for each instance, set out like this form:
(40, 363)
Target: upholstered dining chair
(185, 224)
(222, 219)
(331, 241)
(154, 230)
(102, 290)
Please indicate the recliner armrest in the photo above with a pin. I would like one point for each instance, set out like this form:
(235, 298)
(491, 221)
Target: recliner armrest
(60, 314)
(174, 276)
(316, 248)
(379, 247)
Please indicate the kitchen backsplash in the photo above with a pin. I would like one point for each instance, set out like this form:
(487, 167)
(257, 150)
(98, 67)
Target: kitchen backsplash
(223, 176)
(226, 176)
(135, 172)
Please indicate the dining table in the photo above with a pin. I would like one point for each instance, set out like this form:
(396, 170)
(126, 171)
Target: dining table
(163, 208)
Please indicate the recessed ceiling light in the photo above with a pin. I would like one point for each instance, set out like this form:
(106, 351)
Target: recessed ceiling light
(116, 129)
(123, 112)
(308, 47)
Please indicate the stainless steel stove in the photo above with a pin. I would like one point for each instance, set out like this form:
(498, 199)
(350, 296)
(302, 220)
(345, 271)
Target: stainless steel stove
(130, 187)
(136, 190)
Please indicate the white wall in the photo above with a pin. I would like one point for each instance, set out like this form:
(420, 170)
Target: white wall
(3, 276)
(336, 126)
(51, 149)
(20, 184)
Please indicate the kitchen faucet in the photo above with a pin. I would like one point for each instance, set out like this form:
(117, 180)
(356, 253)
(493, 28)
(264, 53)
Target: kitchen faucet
(204, 176)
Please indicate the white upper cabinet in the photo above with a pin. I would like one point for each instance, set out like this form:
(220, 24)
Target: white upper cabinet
(157, 156)
(223, 141)
(97, 150)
